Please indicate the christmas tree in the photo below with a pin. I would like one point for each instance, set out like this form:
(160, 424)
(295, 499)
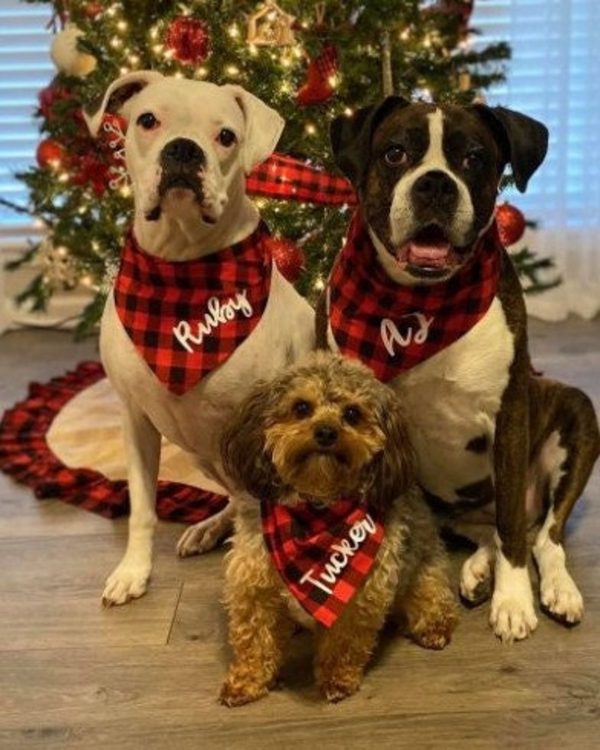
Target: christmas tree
(309, 60)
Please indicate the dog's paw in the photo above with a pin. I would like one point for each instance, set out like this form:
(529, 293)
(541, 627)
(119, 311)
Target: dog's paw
(335, 689)
(512, 617)
(435, 635)
(561, 598)
(476, 578)
(127, 581)
(203, 536)
(235, 693)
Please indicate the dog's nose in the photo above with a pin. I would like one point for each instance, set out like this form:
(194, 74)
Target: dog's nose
(436, 186)
(182, 151)
(325, 435)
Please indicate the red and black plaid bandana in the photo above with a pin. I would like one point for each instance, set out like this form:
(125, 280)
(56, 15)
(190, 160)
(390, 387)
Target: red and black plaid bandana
(392, 328)
(323, 554)
(186, 318)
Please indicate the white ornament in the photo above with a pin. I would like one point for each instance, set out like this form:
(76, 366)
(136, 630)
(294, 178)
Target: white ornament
(67, 57)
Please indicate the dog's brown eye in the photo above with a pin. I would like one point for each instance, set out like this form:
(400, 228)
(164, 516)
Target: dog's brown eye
(227, 137)
(147, 121)
(472, 160)
(302, 409)
(352, 415)
(395, 156)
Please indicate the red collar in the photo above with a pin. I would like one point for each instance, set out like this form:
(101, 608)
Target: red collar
(323, 554)
(186, 318)
(392, 328)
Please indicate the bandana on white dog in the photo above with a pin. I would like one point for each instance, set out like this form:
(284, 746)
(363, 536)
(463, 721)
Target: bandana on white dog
(186, 318)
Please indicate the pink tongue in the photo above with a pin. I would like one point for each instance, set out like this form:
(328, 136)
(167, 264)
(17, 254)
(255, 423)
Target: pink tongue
(428, 255)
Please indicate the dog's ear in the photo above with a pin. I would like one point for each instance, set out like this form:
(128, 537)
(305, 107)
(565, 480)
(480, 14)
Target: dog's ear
(394, 469)
(243, 452)
(115, 96)
(523, 141)
(351, 137)
(263, 127)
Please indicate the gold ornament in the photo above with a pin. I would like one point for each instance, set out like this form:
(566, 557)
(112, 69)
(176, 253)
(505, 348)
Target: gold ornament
(270, 26)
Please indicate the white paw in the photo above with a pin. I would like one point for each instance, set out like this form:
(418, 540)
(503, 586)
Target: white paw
(127, 581)
(512, 617)
(475, 574)
(561, 597)
(203, 536)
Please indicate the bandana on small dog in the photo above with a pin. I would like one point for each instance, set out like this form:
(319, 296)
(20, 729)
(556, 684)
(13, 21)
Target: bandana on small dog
(186, 318)
(392, 328)
(323, 554)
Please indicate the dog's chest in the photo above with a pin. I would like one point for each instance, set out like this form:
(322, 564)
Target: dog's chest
(452, 400)
(194, 421)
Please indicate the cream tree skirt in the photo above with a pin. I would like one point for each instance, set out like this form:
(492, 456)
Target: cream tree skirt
(87, 433)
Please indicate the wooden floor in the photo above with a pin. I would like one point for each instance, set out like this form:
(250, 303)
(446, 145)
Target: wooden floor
(146, 675)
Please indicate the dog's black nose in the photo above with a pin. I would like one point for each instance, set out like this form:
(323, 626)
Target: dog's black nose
(435, 187)
(325, 435)
(182, 152)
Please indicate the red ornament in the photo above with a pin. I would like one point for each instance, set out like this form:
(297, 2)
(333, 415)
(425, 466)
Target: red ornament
(511, 224)
(319, 86)
(92, 10)
(188, 39)
(88, 170)
(288, 257)
(49, 96)
(460, 9)
(49, 153)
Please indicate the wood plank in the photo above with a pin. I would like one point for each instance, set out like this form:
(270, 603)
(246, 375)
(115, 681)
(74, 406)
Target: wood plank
(117, 697)
(83, 562)
(35, 619)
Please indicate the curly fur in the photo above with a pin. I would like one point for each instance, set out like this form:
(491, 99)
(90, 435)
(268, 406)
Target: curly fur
(262, 450)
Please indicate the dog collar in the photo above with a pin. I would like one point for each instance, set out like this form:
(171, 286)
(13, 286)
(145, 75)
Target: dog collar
(392, 328)
(186, 318)
(322, 553)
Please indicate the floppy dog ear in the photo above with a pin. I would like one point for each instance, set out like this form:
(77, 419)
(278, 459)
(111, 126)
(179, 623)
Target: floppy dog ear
(523, 140)
(395, 468)
(351, 137)
(243, 452)
(263, 127)
(115, 96)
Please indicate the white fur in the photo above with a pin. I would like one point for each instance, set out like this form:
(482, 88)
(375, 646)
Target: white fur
(558, 591)
(453, 397)
(476, 570)
(195, 420)
(195, 110)
(512, 615)
(401, 213)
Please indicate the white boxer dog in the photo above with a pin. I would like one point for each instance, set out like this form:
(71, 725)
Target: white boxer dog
(188, 147)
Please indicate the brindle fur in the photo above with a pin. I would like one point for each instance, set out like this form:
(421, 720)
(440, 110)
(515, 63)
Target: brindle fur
(532, 408)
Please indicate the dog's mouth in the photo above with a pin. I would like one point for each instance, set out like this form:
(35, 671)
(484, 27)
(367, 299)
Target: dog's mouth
(180, 186)
(320, 453)
(429, 253)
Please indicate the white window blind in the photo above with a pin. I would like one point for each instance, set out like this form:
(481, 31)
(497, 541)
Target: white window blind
(25, 68)
(554, 75)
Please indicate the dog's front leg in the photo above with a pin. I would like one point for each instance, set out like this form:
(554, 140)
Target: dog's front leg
(259, 625)
(512, 613)
(344, 650)
(142, 443)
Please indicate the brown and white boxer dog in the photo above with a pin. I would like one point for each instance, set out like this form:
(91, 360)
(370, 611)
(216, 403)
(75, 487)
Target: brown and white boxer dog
(424, 293)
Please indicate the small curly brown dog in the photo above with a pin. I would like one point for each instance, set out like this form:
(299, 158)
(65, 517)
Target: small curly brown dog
(324, 430)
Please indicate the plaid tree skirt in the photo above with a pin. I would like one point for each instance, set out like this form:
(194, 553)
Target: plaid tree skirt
(26, 456)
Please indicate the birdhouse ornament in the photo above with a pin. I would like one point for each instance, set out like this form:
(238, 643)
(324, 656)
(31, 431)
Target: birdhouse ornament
(271, 26)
